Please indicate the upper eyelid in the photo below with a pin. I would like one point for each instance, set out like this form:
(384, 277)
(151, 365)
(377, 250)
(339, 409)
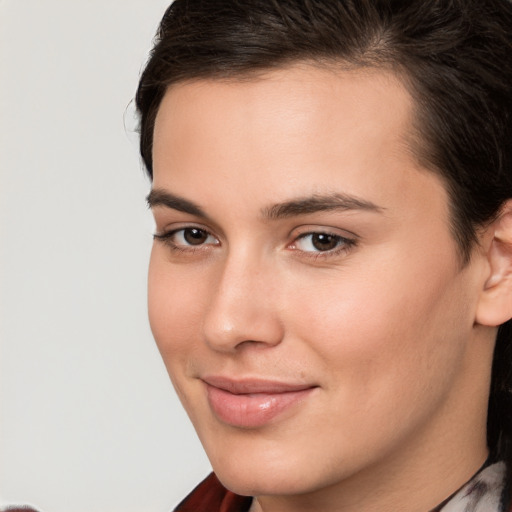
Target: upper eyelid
(168, 223)
(170, 232)
(179, 226)
(325, 230)
(345, 239)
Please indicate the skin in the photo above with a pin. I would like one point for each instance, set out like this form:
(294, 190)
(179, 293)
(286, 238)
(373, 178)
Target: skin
(385, 327)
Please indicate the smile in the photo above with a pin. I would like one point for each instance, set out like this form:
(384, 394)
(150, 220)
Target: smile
(252, 403)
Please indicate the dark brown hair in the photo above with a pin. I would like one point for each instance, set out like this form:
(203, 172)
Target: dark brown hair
(455, 57)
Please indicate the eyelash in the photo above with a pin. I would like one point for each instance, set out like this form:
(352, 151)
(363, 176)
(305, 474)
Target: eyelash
(167, 239)
(343, 244)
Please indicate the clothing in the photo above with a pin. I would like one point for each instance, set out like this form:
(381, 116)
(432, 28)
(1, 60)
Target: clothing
(211, 496)
(18, 508)
(487, 491)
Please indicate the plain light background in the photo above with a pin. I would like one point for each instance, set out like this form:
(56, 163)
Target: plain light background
(88, 419)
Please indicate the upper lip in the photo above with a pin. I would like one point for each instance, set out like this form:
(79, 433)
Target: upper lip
(253, 385)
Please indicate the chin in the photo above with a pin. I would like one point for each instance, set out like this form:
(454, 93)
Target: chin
(272, 474)
(262, 483)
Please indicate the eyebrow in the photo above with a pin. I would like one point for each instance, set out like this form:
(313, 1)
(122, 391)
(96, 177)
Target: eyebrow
(159, 197)
(319, 203)
(294, 207)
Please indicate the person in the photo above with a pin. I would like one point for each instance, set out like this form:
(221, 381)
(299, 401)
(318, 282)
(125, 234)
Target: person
(330, 285)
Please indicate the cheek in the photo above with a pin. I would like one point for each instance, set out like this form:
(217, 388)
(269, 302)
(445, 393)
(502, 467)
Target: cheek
(175, 305)
(386, 331)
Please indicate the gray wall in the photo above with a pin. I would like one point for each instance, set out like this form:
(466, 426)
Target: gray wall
(88, 419)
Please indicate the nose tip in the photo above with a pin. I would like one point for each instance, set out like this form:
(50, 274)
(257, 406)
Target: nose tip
(242, 312)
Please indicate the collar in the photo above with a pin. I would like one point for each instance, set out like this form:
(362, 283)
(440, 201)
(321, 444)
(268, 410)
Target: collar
(485, 492)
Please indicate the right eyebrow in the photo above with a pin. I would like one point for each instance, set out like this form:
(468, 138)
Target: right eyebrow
(159, 197)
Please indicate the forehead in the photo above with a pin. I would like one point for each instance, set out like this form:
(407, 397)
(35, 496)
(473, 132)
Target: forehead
(293, 131)
(287, 102)
(283, 99)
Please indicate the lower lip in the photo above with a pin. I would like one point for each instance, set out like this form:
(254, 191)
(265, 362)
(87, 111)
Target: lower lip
(252, 410)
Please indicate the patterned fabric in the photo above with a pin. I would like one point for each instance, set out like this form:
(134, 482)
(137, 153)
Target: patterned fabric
(485, 492)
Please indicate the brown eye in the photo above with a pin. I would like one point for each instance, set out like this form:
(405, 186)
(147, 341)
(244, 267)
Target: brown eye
(324, 241)
(318, 242)
(187, 238)
(194, 236)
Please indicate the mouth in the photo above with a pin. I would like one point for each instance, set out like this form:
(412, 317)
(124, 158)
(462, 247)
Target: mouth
(252, 403)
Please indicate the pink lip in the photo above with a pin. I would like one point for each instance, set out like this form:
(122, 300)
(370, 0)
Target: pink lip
(252, 403)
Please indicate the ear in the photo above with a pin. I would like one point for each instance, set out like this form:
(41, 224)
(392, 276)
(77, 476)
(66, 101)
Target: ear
(495, 304)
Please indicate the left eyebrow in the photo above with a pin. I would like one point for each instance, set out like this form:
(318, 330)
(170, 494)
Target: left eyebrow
(319, 203)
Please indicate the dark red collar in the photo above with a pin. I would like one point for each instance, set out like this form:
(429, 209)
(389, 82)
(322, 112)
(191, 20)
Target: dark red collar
(211, 496)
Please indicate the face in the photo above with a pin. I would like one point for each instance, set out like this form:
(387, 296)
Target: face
(305, 291)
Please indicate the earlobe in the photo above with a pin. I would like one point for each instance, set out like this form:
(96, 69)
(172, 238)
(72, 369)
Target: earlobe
(495, 305)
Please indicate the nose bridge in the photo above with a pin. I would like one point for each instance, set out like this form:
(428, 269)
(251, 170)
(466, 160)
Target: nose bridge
(243, 306)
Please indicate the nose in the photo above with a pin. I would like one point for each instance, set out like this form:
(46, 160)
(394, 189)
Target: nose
(243, 308)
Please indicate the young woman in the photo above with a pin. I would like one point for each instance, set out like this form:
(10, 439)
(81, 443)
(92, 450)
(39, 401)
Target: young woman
(330, 285)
